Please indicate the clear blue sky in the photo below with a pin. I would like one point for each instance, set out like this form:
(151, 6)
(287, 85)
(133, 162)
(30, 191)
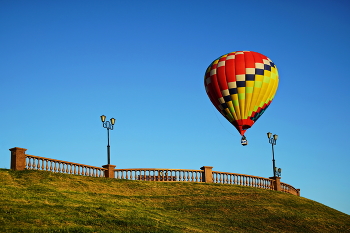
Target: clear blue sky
(65, 63)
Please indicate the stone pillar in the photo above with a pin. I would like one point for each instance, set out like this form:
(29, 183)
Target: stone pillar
(207, 174)
(298, 192)
(109, 173)
(277, 185)
(18, 158)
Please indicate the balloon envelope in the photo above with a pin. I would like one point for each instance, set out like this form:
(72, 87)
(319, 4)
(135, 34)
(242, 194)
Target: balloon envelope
(241, 85)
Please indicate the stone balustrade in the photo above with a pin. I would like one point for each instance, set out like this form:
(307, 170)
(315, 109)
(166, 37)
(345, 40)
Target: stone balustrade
(22, 161)
(159, 174)
(244, 180)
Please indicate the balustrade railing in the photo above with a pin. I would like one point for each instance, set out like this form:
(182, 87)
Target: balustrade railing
(53, 165)
(289, 189)
(21, 161)
(155, 174)
(240, 179)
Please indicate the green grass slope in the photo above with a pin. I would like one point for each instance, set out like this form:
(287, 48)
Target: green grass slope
(39, 201)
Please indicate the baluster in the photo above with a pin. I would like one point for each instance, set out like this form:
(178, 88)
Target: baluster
(45, 167)
(34, 164)
(154, 175)
(29, 163)
(136, 175)
(180, 176)
(41, 164)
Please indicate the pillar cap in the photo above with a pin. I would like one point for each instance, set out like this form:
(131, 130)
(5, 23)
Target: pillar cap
(17, 148)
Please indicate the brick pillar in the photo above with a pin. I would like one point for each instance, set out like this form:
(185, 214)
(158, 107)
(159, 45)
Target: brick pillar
(207, 174)
(109, 173)
(277, 185)
(18, 158)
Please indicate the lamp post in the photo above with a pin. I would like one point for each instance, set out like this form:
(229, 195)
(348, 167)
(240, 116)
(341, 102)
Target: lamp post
(272, 140)
(109, 126)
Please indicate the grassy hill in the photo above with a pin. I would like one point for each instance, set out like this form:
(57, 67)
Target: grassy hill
(39, 201)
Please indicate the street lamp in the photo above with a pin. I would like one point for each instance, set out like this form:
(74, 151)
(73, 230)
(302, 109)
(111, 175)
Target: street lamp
(272, 140)
(109, 126)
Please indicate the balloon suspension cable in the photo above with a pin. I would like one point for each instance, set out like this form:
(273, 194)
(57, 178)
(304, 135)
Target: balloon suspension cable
(215, 113)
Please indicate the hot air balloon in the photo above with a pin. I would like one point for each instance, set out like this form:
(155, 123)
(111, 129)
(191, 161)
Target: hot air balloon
(241, 85)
